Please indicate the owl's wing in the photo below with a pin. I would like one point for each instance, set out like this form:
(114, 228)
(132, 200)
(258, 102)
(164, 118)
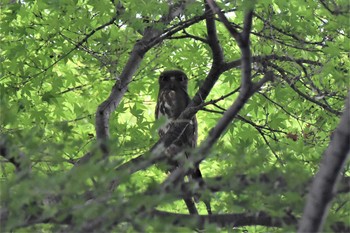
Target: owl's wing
(157, 110)
(194, 137)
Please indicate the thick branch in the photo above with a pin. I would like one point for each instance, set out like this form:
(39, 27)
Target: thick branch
(233, 31)
(231, 113)
(213, 40)
(176, 28)
(324, 185)
(110, 104)
(247, 25)
(242, 40)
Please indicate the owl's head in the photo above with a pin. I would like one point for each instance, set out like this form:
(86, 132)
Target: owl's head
(173, 79)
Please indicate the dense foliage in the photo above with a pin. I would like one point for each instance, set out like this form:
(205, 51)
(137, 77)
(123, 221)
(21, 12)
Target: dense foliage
(60, 60)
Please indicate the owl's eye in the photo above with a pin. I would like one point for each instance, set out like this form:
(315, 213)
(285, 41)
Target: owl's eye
(162, 78)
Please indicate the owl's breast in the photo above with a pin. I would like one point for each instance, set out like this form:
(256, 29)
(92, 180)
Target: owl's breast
(167, 105)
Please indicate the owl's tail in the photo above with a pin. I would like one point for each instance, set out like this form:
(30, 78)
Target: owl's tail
(196, 175)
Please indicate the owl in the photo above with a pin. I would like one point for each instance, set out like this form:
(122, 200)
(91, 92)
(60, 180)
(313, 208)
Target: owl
(172, 100)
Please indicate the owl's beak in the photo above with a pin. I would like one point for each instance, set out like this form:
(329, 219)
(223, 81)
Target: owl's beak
(172, 82)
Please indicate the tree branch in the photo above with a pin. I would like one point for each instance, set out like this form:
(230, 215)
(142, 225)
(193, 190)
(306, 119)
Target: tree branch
(265, 58)
(247, 25)
(218, 56)
(271, 181)
(225, 220)
(176, 28)
(233, 31)
(292, 85)
(337, 9)
(324, 185)
(80, 43)
(231, 113)
(242, 40)
(187, 35)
